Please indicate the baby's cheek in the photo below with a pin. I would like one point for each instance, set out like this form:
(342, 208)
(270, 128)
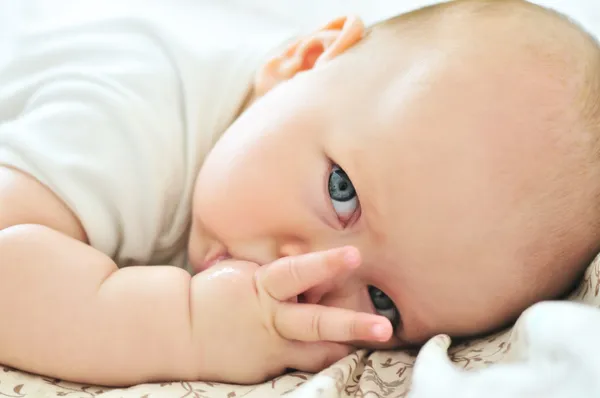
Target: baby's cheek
(220, 209)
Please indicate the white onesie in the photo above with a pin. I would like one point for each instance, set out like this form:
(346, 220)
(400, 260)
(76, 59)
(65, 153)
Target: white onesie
(114, 106)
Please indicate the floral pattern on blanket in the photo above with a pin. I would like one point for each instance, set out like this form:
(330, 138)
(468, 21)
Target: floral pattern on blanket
(380, 374)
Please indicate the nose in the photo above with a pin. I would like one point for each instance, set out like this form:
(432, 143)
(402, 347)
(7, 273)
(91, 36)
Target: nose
(265, 251)
(291, 247)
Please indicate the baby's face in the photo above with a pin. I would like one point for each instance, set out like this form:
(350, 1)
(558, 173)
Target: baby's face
(422, 169)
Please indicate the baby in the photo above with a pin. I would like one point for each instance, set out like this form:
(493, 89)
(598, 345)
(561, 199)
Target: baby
(436, 173)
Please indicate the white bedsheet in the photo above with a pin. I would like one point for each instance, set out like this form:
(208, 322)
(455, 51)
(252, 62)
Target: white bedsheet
(552, 352)
(555, 354)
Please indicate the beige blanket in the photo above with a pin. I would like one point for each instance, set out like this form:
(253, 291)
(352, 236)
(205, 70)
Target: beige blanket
(362, 374)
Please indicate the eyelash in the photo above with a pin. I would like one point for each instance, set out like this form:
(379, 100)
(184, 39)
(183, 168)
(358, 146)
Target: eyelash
(356, 213)
(391, 313)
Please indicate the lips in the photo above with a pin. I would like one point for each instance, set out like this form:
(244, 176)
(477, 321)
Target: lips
(213, 259)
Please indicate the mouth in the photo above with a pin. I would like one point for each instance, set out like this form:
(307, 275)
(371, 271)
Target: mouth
(213, 259)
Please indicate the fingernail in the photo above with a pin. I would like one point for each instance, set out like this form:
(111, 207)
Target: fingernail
(380, 332)
(352, 256)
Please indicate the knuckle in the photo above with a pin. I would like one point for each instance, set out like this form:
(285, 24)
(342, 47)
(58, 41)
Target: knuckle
(261, 282)
(315, 326)
(264, 282)
(352, 329)
(294, 270)
(272, 323)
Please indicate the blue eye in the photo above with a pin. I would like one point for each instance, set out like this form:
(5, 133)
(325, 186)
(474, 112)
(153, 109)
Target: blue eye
(342, 193)
(384, 305)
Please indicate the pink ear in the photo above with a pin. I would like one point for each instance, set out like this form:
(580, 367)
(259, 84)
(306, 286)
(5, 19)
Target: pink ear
(308, 52)
(351, 30)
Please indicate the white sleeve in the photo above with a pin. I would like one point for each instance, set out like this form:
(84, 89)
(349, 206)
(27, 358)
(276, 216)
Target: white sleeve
(94, 113)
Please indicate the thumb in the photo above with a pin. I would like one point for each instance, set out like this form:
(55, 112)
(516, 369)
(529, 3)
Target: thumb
(313, 357)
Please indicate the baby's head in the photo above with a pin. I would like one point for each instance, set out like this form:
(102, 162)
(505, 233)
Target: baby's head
(456, 147)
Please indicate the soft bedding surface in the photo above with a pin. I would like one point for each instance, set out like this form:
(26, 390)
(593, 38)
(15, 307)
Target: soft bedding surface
(551, 350)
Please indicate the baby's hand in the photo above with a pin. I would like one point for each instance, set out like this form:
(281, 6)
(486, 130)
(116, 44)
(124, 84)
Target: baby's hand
(258, 327)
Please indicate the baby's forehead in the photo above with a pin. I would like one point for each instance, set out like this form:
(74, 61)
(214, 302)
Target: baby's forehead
(428, 104)
(509, 91)
(455, 126)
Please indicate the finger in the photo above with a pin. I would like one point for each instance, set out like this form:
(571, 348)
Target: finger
(311, 322)
(291, 276)
(314, 357)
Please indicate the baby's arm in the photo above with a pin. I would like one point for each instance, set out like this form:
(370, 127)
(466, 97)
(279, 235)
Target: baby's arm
(67, 311)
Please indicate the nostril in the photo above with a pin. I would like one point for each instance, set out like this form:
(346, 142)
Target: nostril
(302, 299)
(292, 247)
